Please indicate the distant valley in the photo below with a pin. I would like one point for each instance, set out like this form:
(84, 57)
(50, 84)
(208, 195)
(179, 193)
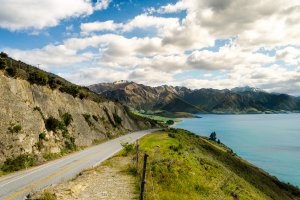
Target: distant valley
(170, 99)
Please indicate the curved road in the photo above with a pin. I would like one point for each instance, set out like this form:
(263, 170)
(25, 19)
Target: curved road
(18, 185)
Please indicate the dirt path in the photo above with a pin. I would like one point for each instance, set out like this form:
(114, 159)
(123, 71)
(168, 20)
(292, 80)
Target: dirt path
(109, 181)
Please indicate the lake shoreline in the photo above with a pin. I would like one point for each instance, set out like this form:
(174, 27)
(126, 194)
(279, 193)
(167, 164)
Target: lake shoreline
(257, 139)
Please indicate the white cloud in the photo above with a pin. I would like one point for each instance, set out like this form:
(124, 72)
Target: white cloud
(31, 14)
(109, 25)
(102, 4)
(175, 45)
(290, 55)
(50, 56)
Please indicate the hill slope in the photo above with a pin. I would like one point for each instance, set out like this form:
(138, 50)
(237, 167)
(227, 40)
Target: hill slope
(41, 113)
(186, 166)
(181, 166)
(180, 99)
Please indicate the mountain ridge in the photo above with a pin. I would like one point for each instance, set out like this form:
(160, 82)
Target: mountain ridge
(181, 99)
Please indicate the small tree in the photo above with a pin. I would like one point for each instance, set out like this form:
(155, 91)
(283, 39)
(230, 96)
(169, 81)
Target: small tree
(170, 122)
(11, 71)
(3, 55)
(213, 136)
(3, 64)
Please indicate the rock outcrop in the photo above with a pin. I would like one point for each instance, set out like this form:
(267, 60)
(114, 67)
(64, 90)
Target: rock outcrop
(25, 109)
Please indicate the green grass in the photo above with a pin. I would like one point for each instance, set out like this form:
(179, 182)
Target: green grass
(183, 166)
(156, 117)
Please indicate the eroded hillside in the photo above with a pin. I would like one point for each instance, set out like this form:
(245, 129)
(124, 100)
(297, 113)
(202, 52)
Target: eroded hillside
(37, 119)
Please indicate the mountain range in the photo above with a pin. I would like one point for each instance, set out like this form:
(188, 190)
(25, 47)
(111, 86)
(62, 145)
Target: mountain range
(181, 99)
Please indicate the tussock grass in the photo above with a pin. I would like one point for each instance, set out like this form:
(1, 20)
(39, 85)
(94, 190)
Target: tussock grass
(184, 166)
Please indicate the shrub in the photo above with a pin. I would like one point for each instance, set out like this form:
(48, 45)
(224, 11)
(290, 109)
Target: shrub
(82, 96)
(15, 128)
(3, 64)
(70, 145)
(3, 55)
(72, 90)
(170, 122)
(171, 135)
(176, 148)
(42, 136)
(213, 136)
(128, 147)
(18, 163)
(52, 83)
(38, 78)
(67, 119)
(11, 71)
(48, 196)
(87, 118)
(118, 120)
(52, 124)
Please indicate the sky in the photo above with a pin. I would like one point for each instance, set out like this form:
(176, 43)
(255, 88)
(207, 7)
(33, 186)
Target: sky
(193, 43)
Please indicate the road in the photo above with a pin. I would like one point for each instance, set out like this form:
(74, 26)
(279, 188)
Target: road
(18, 185)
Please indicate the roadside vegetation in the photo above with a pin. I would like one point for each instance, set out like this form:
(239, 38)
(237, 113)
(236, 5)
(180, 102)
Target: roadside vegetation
(185, 166)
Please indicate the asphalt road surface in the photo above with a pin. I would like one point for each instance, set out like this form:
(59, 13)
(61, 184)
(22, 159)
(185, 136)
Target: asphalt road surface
(18, 185)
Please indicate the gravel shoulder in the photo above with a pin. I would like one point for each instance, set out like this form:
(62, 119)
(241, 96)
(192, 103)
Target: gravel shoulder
(108, 181)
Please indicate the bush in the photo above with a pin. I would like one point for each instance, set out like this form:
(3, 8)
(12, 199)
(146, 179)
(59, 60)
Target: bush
(82, 95)
(38, 78)
(170, 122)
(171, 135)
(15, 128)
(11, 71)
(118, 120)
(42, 136)
(48, 196)
(72, 90)
(52, 124)
(87, 118)
(3, 55)
(18, 163)
(213, 136)
(3, 64)
(128, 147)
(52, 83)
(67, 119)
(176, 147)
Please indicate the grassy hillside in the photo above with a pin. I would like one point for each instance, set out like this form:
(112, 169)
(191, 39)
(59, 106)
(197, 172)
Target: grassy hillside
(185, 166)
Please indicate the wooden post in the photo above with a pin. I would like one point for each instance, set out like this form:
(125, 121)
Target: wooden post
(137, 155)
(143, 177)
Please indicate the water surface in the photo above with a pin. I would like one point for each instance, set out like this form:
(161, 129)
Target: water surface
(270, 141)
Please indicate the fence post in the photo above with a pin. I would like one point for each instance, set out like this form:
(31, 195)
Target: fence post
(137, 155)
(143, 177)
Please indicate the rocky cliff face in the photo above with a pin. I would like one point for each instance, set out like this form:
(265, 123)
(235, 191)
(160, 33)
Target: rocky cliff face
(25, 109)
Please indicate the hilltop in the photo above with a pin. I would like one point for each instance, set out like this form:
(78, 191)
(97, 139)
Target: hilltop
(181, 99)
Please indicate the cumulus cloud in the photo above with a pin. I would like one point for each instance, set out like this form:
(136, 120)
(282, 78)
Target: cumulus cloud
(102, 4)
(90, 27)
(143, 21)
(289, 55)
(50, 56)
(179, 44)
(31, 14)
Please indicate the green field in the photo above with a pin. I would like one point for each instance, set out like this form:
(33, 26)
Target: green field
(184, 166)
(156, 117)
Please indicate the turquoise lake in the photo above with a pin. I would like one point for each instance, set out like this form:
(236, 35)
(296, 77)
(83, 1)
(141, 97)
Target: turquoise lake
(270, 141)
